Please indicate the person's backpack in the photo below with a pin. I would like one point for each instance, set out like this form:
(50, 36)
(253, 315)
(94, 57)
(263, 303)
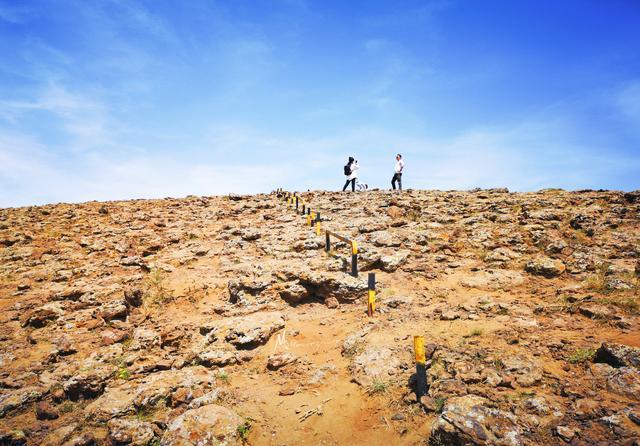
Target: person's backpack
(347, 169)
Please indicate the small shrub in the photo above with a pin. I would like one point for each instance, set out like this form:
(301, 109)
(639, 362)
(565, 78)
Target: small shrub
(582, 355)
(476, 332)
(66, 407)
(629, 304)
(378, 387)
(244, 429)
(356, 348)
(156, 289)
(598, 282)
(223, 376)
(413, 215)
(123, 373)
(440, 402)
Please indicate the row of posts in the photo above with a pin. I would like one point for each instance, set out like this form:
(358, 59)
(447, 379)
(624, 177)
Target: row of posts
(418, 341)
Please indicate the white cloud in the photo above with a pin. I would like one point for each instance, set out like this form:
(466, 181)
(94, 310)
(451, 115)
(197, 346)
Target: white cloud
(84, 119)
(528, 156)
(30, 176)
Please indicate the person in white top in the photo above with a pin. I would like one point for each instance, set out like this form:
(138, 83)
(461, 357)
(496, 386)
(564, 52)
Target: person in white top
(349, 172)
(397, 176)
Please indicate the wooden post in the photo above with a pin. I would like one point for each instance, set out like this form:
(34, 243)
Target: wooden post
(371, 298)
(354, 258)
(327, 242)
(421, 368)
(296, 202)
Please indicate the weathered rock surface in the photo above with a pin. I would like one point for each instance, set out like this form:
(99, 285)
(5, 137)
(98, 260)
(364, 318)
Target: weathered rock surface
(172, 320)
(374, 365)
(546, 267)
(618, 355)
(471, 420)
(209, 425)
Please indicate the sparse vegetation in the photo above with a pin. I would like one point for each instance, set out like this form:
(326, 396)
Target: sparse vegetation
(356, 348)
(413, 215)
(244, 429)
(629, 304)
(123, 373)
(598, 281)
(498, 364)
(479, 356)
(455, 298)
(156, 289)
(66, 407)
(582, 355)
(378, 386)
(223, 376)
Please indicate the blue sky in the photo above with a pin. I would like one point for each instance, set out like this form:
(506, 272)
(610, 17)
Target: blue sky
(128, 99)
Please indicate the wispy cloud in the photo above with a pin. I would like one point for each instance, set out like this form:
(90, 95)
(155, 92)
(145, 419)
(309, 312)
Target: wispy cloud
(628, 100)
(84, 119)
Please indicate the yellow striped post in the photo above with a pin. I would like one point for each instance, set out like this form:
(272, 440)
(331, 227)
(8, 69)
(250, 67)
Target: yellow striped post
(421, 368)
(317, 227)
(371, 298)
(354, 258)
(418, 347)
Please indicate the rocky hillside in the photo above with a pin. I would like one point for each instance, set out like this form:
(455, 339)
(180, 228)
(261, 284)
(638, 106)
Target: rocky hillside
(222, 320)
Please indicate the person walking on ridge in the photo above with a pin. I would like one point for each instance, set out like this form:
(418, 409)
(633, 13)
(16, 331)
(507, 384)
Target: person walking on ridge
(397, 176)
(351, 172)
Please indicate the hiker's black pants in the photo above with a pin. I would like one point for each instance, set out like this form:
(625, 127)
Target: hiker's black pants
(396, 177)
(353, 185)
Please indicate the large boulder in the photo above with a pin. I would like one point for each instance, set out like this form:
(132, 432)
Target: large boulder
(393, 261)
(215, 357)
(128, 397)
(624, 381)
(469, 420)
(343, 287)
(209, 425)
(526, 371)
(17, 398)
(618, 355)
(89, 382)
(240, 290)
(294, 292)
(114, 310)
(248, 332)
(545, 266)
(58, 436)
(130, 432)
(41, 316)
